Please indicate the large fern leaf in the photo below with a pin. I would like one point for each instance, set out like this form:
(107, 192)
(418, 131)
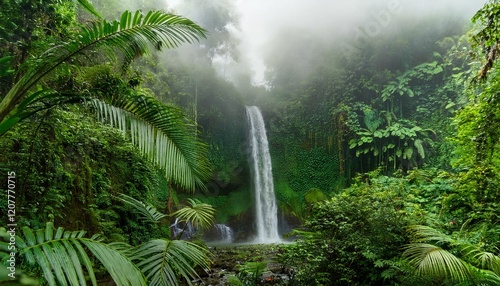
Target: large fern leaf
(131, 35)
(62, 256)
(149, 213)
(199, 214)
(431, 260)
(162, 260)
(163, 133)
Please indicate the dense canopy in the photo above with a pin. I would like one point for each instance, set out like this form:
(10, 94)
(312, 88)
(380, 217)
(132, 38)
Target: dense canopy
(124, 142)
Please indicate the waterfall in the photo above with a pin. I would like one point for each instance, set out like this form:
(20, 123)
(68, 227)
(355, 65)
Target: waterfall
(266, 211)
(225, 232)
(186, 230)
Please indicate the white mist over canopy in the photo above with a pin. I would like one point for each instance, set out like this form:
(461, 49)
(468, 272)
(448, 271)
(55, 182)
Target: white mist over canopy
(260, 21)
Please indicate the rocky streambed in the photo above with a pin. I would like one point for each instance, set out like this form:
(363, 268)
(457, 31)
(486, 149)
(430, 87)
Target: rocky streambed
(246, 265)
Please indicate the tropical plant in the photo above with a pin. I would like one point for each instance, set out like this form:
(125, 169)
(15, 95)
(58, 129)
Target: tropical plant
(347, 236)
(162, 260)
(402, 84)
(390, 140)
(486, 38)
(199, 214)
(147, 212)
(451, 259)
(62, 256)
(163, 130)
(250, 272)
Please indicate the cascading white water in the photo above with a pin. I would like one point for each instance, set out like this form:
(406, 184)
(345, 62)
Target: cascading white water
(266, 211)
(185, 232)
(225, 233)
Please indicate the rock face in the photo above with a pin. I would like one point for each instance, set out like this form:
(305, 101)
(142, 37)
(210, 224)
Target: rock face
(228, 261)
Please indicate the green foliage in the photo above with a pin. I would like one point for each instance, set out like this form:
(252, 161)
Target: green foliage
(478, 149)
(232, 206)
(62, 256)
(233, 280)
(452, 259)
(250, 272)
(69, 165)
(314, 196)
(355, 237)
(199, 214)
(486, 37)
(289, 200)
(162, 260)
(130, 36)
(162, 133)
(148, 213)
(350, 233)
(138, 29)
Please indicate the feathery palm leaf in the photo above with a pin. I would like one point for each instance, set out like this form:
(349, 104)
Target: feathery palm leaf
(199, 214)
(474, 264)
(431, 260)
(162, 133)
(162, 260)
(483, 259)
(172, 146)
(149, 213)
(63, 259)
(423, 233)
(131, 35)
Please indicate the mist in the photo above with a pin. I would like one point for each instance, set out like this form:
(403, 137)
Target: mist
(256, 25)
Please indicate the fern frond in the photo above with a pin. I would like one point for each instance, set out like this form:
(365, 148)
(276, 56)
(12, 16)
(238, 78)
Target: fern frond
(130, 36)
(161, 260)
(431, 260)
(199, 214)
(149, 213)
(63, 257)
(162, 133)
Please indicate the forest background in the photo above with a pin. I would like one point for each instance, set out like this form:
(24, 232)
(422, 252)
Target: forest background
(384, 144)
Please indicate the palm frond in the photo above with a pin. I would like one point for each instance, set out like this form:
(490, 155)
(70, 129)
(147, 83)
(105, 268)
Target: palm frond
(149, 213)
(483, 259)
(118, 265)
(423, 233)
(131, 35)
(431, 260)
(199, 214)
(62, 257)
(162, 260)
(162, 133)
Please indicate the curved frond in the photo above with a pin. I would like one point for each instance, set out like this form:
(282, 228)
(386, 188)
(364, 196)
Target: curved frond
(162, 133)
(131, 35)
(149, 213)
(62, 257)
(162, 260)
(431, 260)
(199, 214)
(483, 259)
(422, 233)
(118, 265)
